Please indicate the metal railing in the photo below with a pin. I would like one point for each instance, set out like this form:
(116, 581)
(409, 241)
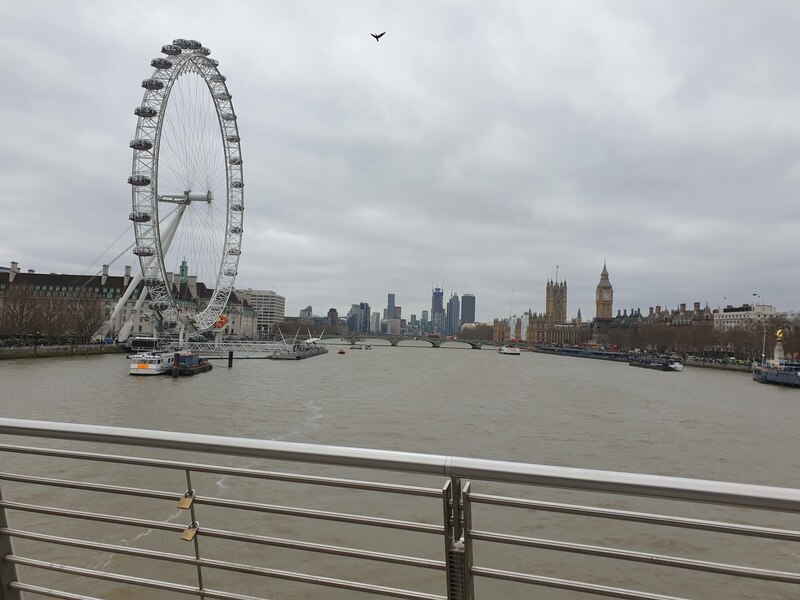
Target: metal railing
(61, 514)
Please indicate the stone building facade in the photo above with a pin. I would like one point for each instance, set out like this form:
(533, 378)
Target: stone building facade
(59, 294)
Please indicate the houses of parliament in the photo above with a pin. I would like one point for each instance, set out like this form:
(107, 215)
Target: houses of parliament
(552, 326)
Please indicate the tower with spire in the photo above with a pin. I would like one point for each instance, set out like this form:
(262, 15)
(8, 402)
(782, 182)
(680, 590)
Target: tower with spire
(556, 301)
(605, 297)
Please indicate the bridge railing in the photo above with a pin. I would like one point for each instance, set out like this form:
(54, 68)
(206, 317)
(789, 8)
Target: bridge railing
(81, 520)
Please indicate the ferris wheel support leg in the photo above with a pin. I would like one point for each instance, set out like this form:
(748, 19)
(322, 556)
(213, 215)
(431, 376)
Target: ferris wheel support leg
(127, 328)
(109, 324)
(169, 234)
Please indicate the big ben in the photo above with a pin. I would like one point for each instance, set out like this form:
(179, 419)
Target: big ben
(605, 297)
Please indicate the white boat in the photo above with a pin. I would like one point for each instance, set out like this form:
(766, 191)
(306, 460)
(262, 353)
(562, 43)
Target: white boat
(675, 364)
(161, 363)
(151, 363)
(509, 350)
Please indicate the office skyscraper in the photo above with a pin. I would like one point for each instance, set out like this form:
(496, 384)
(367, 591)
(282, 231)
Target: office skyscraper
(358, 318)
(453, 315)
(389, 312)
(437, 311)
(467, 308)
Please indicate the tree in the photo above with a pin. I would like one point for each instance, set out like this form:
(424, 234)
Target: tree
(52, 317)
(85, 316)
(478, 331)
(18, 314)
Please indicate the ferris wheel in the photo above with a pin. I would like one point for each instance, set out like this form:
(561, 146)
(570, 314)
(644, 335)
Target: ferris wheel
(187, 190)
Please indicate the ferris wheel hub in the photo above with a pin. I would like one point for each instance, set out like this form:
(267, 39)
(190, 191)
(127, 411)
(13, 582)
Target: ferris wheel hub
(187, 197)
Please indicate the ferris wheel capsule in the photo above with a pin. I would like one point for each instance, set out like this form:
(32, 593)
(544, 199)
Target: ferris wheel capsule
(145, 111)
(161, 63)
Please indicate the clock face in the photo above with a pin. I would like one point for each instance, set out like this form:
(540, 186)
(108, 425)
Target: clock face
(606, 295)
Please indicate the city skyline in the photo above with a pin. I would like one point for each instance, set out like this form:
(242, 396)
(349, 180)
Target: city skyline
(658, 138)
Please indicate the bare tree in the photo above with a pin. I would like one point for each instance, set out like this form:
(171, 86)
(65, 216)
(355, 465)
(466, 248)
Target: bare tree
(18, 314)
(52, 317)
(85, 316)
(477, 332)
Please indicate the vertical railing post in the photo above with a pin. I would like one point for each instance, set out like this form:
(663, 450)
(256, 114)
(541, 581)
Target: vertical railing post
(459, 582)
(8, 570)
(196, 539)
(467, 537)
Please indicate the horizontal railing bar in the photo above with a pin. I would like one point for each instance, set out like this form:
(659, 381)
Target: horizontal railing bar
(237, 504)
(43, 591)
(320, 514)
(657, 486)
(384, 557)
(250, 570)
(412, 561)
(90, 545)
(323, 581)
(90, 516)
(233, 471)
(566, 584)
(118, 578)
(92, 487)
(643, 557)
(639, 517)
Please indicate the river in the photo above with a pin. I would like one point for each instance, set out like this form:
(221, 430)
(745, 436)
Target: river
(538, 408)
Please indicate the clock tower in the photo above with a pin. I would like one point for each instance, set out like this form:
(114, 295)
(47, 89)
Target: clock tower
(605, 297)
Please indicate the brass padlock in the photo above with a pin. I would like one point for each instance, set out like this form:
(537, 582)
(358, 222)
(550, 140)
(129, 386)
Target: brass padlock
(191, 531)
(187, 500)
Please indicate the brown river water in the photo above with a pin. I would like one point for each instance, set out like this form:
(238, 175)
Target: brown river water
(536, 408)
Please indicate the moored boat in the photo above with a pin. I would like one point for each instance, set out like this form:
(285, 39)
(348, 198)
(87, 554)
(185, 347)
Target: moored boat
(658, 363)
(778, 372)
(614, 355)
(189, 364)
(508, 350)
(165, 363)
(298, 351)
(150, 363)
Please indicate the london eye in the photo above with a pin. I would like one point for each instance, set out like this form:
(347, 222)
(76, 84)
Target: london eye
(187, 189)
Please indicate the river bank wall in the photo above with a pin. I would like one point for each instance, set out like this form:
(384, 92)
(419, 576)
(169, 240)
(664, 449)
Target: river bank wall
(65, 350)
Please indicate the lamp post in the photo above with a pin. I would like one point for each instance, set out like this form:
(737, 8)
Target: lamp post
(757, 296)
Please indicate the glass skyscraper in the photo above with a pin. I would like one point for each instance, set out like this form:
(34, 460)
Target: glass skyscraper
(453, 315)
(467, 308)
(437, 311)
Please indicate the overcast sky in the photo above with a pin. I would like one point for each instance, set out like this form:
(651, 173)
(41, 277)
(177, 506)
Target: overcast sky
(478, 145)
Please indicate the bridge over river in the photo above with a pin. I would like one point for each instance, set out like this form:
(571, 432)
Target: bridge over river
(397, 340)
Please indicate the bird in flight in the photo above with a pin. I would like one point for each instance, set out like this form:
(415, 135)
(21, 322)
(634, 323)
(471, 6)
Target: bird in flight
(378, 36)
